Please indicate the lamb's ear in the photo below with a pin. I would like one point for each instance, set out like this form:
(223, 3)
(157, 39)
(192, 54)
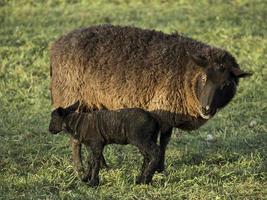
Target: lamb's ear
(73, 107)
(62, 112)
(199, 60)
(237, 72)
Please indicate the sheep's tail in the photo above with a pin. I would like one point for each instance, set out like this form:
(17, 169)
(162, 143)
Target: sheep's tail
(50, 87)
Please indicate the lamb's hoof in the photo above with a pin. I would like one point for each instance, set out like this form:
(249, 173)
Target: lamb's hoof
(93, 183)
(80, 171)
(143, 180)
(147, 180)
(104, 166)
(139, 180)
(85, 178)
(160, 168)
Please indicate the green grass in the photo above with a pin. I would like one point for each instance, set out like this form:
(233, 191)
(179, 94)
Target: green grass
(37, 165)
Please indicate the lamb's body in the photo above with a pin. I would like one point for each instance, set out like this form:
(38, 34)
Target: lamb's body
(98, 128)
(108, 127)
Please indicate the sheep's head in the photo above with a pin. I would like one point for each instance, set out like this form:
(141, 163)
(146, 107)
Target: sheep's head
(216, 85)
(58, 116)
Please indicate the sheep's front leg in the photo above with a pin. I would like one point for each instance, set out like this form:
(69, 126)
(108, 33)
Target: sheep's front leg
(77, 156)
(164, 140)
(97, 150)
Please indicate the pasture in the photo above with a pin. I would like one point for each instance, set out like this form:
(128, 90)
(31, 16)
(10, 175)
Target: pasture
(35, 164)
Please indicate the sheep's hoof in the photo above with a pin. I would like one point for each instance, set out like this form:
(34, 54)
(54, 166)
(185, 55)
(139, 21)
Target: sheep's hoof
(93, 183)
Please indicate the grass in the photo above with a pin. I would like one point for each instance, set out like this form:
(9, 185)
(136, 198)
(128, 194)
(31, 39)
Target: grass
(37, 165)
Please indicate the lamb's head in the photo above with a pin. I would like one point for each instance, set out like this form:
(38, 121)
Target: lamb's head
(217, 82)
(57, 124)
(58, 118)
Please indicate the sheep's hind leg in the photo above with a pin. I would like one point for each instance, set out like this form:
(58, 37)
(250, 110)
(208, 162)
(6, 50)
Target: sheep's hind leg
(76, 155)
(164, 140)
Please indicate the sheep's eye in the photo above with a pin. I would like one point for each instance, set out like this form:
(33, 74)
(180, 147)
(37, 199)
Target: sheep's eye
(221, 67)
(226, 84)
(204, 79)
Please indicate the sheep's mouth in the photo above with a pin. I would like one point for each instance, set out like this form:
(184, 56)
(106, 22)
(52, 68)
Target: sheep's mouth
(207, 115)
(204, 116)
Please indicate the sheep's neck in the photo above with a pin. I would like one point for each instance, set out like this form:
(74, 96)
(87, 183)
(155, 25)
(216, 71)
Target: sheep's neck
(192, 103)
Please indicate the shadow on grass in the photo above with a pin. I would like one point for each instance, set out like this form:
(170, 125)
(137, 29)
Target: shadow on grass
(197, 151)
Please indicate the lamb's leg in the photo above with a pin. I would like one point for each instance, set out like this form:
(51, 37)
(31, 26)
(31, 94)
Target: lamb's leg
(146, 158)
(153, 151)
(76, 155)
(103, 164)
(97, 150)
(144, 166)
(164, 140)
(84, 108)
(87, 176)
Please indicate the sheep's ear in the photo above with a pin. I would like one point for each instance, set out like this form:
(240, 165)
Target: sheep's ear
(199, 60)
(73, 107)
(237, 72)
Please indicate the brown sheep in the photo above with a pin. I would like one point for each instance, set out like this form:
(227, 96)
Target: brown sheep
(182, 81)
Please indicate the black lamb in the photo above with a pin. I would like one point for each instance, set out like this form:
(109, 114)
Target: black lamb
(98, 128)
